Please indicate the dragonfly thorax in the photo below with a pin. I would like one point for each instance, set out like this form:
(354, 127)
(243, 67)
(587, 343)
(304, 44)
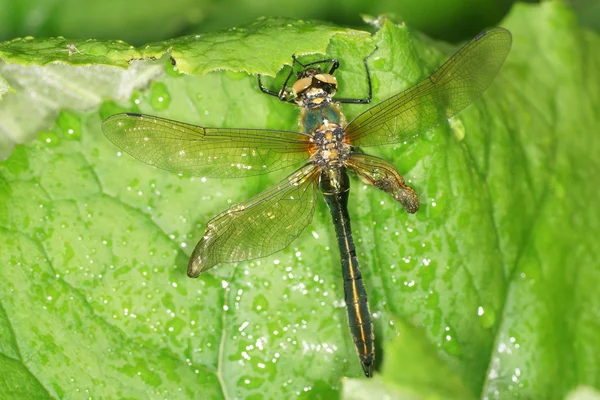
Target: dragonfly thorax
(314, 89)
(330, 147)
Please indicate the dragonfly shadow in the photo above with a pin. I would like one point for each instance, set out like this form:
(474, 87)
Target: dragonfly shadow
(378, 345)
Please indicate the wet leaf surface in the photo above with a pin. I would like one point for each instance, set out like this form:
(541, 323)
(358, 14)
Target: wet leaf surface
(497, 269)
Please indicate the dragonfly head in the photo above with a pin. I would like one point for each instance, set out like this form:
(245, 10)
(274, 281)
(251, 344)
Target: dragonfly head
(314, 88)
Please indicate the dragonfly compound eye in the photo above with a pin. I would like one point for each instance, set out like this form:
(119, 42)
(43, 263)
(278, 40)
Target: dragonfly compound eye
(326, 82)
(300, 86)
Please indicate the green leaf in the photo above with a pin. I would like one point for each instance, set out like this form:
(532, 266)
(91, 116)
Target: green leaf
(497, 268)
(196, 54)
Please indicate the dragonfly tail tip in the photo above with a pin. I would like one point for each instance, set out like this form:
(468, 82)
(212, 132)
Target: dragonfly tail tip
(368, 365)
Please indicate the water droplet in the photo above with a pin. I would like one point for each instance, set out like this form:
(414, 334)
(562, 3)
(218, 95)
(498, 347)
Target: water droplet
(487, 316)
(70, 125)
(260, 303)
(250, 382)
(159, 97)
(378, 63)
(136, 98)
(531, 273)
(449, 342)
(50, 139)
(426, 274)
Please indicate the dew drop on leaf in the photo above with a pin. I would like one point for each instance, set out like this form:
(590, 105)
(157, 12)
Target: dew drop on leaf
(449, 342)
(70, 125)
(379, 63)
(260, 303)
(487, 316)
(160, 98)
(51, 139)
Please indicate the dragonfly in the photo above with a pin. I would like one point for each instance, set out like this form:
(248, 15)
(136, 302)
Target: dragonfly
(322, 154)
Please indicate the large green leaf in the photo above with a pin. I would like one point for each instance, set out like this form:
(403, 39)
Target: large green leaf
(498, 268)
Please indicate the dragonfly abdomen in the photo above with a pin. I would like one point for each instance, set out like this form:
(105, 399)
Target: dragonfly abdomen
(335, 186)
(357, 308)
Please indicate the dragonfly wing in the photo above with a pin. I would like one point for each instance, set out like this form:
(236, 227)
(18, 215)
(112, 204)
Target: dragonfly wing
(210, 152)
(454, 86)
(383, 175)
(260, 226)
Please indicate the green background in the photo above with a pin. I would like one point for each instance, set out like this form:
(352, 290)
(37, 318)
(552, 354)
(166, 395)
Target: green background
(142, 21)
(489, 291)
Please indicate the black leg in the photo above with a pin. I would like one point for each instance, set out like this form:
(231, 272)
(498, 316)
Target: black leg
(295, 61)
(264, 89)
(335, 64)
(282, 94)
(370, 96)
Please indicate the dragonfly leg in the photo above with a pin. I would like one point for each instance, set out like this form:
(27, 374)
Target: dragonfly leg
(368, 99)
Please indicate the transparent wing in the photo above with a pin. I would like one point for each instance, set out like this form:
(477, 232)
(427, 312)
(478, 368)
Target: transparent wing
(210, 152)
(260, 226)
(458, 82)
(384, 175)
